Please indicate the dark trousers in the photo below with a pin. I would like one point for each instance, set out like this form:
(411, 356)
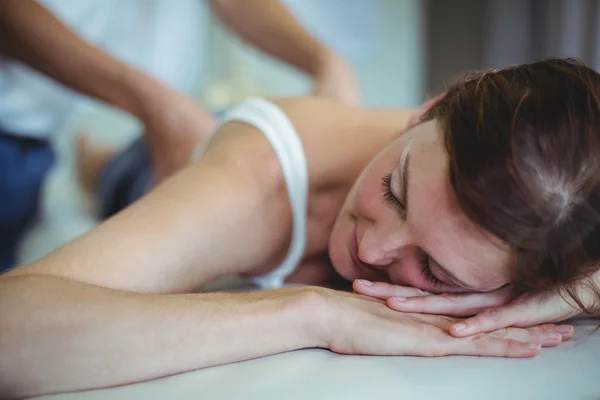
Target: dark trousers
(24, 164)
(126, 178)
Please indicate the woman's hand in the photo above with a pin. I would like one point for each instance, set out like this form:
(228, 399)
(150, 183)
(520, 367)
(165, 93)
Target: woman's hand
(488, 311)
(356, 324)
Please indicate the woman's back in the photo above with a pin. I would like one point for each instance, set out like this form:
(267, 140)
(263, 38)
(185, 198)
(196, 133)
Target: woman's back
(337, 141)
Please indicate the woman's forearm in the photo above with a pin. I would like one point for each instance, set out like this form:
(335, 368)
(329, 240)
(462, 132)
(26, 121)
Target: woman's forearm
(59, 335)
(29, 33)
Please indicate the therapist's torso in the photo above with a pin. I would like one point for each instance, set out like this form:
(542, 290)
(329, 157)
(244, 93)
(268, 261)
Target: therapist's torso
(161, 37)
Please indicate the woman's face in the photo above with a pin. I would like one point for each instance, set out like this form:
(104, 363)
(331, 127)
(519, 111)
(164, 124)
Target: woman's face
(401, 223)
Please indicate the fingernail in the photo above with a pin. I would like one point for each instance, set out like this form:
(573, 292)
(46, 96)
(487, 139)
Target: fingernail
(399, 299)
(552, 338)
(459, 327)
(364, 282)
(530, 350)
(564, 329)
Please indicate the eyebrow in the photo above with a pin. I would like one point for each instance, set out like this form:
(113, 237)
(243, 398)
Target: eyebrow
(445, 271)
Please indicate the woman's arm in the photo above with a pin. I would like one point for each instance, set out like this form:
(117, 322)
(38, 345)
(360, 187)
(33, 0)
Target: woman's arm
(59, 335)
(88, 315)
(226, 214)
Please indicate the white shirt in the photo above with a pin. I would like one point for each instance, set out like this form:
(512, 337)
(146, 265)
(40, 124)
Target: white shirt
(161, 37)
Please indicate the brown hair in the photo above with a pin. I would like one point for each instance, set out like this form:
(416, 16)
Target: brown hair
(524, 147)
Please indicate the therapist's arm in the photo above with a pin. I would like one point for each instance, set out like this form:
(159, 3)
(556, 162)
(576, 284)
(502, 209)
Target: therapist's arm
(32, 35)
(269, 26)
(29, 33)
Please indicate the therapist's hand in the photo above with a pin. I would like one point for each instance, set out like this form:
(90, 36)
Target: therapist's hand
(488, 312)
(358, 324)
(334, 79)
(174, 125)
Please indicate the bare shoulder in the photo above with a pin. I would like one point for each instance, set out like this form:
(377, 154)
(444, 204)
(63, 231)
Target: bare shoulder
(339, 140)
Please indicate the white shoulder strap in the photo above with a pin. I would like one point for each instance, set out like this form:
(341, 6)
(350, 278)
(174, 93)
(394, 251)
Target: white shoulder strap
(282, 136)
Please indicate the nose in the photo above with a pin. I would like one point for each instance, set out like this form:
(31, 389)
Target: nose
(381, 246)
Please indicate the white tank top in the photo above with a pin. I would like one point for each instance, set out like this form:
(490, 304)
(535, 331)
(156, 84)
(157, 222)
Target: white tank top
(281, 134)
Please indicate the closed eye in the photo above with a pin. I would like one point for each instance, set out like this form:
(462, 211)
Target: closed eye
(428, 275)
(389, 195)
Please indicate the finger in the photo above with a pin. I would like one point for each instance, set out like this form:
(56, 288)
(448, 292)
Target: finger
(495, 318)
(566, 331)
(544, 335)
(487, 321)
(458, 305)
(382, 290)
(489, 346)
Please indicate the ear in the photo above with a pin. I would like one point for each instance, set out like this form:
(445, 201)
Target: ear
(415, 119)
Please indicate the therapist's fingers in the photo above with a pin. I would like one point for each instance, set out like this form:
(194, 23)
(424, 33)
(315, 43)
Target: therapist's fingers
(454, 304)
(383, 290)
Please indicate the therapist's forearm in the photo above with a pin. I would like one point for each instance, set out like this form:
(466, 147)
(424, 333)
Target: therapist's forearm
(58, 335)
(269, 26)
(29, 33)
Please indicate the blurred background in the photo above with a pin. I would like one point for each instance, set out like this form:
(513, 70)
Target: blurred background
(401, 50)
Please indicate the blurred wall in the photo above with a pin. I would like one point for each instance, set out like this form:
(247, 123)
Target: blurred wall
(463, 35)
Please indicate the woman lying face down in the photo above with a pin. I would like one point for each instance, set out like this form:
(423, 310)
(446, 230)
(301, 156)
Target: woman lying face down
(495, 191)
(489, 200)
